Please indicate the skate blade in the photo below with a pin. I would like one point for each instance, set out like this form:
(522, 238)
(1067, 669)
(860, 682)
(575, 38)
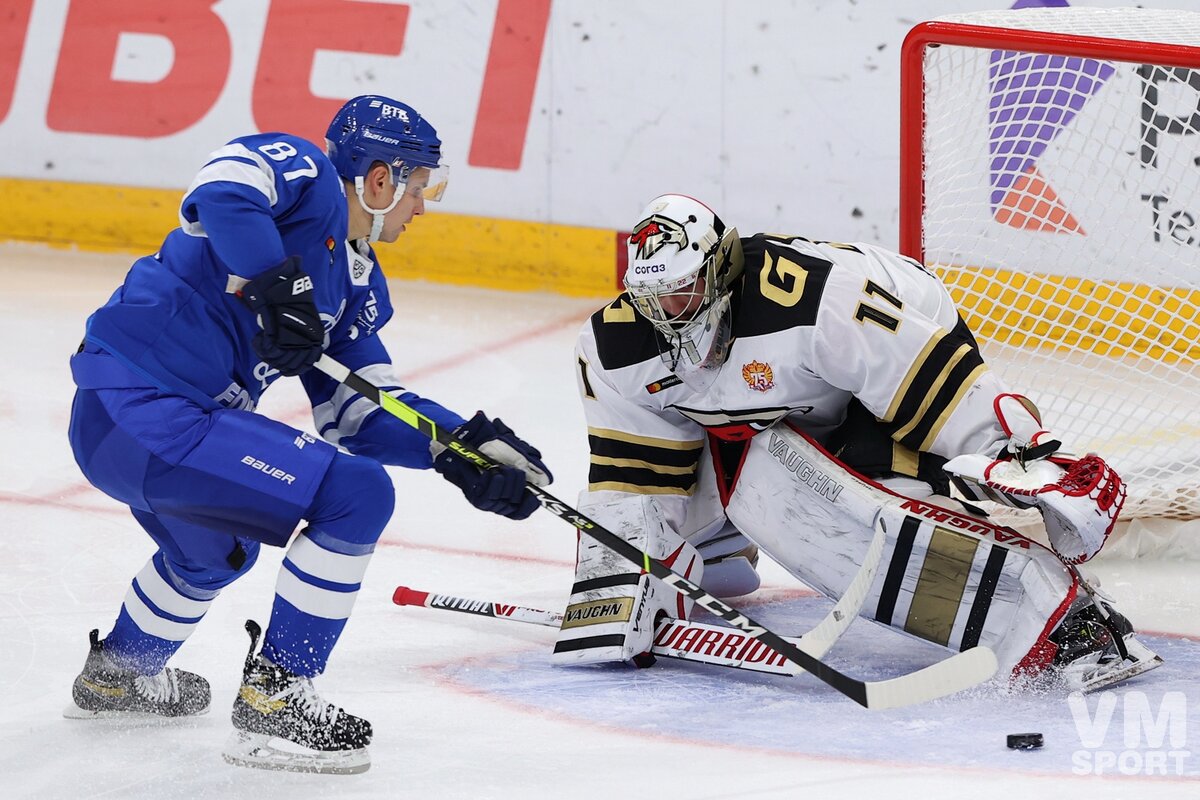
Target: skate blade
(256, 751)
(1147, 660)
(73, 711)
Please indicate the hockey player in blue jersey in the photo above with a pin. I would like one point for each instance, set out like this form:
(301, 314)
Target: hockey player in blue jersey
(271, 267)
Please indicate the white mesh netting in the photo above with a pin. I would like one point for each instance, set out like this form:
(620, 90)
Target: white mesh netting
(1062, 206)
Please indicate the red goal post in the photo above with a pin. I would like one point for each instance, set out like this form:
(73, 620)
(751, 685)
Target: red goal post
(1050, 173)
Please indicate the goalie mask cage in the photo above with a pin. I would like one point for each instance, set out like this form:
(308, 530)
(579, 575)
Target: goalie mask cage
(1050, 174)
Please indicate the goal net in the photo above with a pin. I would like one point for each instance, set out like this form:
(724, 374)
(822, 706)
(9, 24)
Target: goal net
(1050, 173)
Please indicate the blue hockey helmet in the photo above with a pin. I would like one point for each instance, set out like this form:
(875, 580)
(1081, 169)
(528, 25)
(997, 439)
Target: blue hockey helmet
(371, 128)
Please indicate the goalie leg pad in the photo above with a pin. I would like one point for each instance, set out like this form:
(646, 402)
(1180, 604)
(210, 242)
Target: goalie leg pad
(614, 606)
(946, 577)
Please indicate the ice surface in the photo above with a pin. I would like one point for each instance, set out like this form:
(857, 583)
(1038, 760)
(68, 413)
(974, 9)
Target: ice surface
(467, 708)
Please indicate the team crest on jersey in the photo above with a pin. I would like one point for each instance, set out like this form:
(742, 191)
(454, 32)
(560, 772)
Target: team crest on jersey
(656, 232)
(758, 376)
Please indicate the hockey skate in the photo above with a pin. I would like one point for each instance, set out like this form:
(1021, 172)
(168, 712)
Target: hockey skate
(105, 689)
(281, 723)
(1089, 656)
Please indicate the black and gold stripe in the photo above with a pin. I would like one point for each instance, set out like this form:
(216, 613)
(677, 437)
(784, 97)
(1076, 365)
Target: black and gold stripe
(941, 585)
(625, 462)
(864, 444)
(939, 378)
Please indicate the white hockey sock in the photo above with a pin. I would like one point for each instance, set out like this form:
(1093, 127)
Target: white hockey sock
(317, 585)
(158, 614)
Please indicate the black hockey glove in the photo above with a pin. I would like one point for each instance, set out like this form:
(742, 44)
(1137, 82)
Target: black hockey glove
(500, 489)
(292, 336)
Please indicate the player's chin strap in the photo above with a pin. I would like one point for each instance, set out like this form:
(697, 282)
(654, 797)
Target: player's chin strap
(377, 214)
(968, 668)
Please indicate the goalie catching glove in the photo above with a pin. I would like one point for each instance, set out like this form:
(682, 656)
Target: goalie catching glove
(1079, 499)
(500, 489)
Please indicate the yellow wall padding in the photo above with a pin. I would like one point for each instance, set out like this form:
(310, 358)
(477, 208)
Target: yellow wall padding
(1113, 319)
(450, 248)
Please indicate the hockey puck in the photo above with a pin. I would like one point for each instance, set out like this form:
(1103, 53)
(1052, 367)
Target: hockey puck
(644, 660)
(1024, 741)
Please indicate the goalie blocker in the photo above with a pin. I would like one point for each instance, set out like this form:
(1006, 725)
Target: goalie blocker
(947, 576)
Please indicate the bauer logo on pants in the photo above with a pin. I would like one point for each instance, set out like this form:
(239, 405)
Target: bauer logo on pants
(267, 469)
(598, 612)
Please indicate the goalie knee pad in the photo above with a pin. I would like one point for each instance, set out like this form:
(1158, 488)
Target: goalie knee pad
(614, 606)
(730, 563)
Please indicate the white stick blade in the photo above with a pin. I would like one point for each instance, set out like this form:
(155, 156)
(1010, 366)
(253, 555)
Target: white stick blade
(969, 668)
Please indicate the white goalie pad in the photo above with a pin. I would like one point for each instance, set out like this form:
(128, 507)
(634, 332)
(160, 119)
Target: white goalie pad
(946, 577)
(614, 606)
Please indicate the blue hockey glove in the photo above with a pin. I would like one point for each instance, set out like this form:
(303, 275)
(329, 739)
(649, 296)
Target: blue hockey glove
(292, 336)
(501, 489)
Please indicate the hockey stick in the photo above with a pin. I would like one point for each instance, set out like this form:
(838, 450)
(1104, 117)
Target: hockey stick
(971, 667)
(818, 640)
(674, 638)
(694, 641)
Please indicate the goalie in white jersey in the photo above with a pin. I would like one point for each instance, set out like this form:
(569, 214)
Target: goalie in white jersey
(787, 394)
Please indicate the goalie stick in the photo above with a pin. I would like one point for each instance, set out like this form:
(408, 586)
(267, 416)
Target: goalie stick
(673, 638)
(962, 671)
(694, 641)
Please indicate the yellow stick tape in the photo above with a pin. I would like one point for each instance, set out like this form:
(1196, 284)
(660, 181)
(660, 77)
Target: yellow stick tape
(447, 248)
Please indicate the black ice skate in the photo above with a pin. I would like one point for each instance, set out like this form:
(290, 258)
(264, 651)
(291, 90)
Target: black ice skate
(105, 689)
(274, 703)
(1090, 657)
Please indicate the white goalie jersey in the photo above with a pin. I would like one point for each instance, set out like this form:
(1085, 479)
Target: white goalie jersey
(854, 364)
(819, 329)
(862, 355)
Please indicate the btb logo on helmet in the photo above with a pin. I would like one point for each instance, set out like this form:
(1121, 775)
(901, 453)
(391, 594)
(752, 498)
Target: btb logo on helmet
(389, 111)
(656, 232)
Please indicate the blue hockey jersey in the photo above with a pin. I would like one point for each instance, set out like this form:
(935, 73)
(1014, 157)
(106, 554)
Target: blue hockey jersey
(177, 323)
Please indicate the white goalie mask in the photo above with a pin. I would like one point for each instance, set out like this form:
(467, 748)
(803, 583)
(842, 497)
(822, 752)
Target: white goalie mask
(682, 260)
